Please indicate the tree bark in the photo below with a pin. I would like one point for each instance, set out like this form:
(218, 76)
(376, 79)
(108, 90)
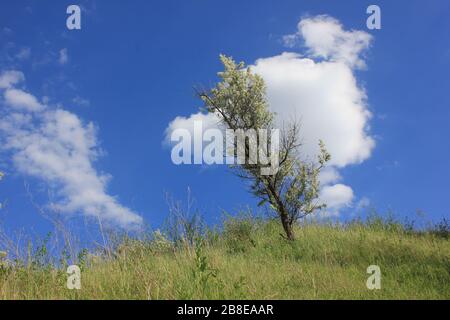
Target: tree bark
(286, 221)
(287, 226)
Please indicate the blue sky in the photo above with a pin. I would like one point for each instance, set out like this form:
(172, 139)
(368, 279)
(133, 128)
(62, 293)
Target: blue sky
(131, 69)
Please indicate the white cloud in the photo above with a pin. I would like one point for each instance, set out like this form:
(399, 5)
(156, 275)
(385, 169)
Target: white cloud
(63, 56)
(329, 175)
(323, 95)
(20, 99)
(208, 121)
(325, 38)
(55, 146)
(10, 78)
(325, 98)
(336, 197)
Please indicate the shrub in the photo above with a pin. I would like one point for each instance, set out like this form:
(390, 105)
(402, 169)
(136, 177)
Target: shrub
(238, 232)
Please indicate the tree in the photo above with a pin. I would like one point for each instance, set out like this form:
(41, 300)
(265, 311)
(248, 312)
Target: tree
(239, 100)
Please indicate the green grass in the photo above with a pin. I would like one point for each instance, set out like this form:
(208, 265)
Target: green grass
(249, 259)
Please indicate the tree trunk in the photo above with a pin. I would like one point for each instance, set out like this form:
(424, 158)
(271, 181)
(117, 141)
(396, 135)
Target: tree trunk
(279, 205)
(287, 226)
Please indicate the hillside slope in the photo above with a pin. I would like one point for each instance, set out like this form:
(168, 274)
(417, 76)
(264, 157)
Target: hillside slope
(250, 260)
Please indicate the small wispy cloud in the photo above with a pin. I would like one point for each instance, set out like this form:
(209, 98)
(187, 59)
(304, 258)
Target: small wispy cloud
(63, 56)
(81, 101)
(23, 54)
(363, 203)
(6, 31)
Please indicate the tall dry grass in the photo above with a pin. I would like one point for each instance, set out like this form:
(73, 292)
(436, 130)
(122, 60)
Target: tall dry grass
(248, 259)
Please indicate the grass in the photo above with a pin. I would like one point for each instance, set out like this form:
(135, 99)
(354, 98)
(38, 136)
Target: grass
(248, 259)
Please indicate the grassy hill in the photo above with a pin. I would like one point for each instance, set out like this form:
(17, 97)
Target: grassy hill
(248, 259)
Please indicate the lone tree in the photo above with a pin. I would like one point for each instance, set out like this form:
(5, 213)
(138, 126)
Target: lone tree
(239, 100)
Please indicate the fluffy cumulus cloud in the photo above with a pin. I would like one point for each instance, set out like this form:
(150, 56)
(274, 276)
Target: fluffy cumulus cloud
(319, 89)
(54, 145)
(325, 98)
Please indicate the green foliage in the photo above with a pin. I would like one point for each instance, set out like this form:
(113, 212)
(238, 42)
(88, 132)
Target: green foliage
(40, 257)
(442, 229)
(202, 272)
(239, 99)
(82, 258)
(4, 265)
(238, 232)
